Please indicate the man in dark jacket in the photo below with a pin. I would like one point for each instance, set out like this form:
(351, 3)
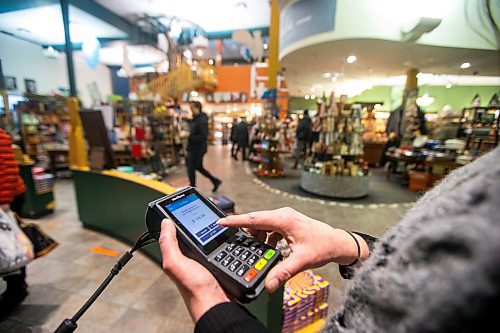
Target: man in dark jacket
(197, 146)
(234, 138)
(242, 138)
(303, 135)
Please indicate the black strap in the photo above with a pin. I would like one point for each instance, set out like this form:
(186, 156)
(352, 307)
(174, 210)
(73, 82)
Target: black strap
(358, 258)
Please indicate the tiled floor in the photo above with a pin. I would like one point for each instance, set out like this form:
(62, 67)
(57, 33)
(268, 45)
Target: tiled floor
(142, 298)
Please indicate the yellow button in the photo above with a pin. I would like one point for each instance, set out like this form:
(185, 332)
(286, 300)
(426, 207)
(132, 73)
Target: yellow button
(260, 264)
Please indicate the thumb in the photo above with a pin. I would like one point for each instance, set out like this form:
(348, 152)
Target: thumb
(283, 271)
(168, 243)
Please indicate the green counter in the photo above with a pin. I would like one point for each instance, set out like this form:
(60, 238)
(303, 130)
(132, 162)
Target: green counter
(115, 203)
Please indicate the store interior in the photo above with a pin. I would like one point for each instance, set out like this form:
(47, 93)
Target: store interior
(97, 98)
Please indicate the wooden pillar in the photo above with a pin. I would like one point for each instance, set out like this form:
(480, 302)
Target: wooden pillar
(274, 32)
(411, 78)
(218, 58)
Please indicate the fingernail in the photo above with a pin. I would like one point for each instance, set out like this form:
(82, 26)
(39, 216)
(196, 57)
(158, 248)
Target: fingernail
(164, 223)
(273, 285)
(223, 220)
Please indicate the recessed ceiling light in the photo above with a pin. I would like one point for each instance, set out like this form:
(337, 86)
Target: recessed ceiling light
(266, 46)
(313, 97)
(211, 61)
(306, 96)
(199, 52)
(351, 59)
(327, 75)
(465, 65)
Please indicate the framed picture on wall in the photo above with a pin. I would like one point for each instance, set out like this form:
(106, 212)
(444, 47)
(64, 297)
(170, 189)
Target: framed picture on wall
(209, 97)
(30, 85)
(243, 97)
(235, 97)
(10, 83)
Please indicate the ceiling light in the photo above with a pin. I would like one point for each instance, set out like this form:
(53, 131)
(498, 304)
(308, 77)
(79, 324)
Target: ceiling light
(351, 59)
(449, 85)
(211, 62)
(465, 65)
(306, 96)
(327, 75)
(313, 97)
(266, 46)
(334, 79)
(199, 53)
(377, 106)
(194, 93)
(425, 100)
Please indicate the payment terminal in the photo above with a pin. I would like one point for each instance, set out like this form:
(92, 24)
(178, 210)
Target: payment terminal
(238, 261)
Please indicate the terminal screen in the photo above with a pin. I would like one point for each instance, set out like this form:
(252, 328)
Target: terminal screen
(197, 218)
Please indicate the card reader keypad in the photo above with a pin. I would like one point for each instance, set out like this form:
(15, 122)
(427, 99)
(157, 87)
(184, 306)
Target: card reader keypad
(245, 257)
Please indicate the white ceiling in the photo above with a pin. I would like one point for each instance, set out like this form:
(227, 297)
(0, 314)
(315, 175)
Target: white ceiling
(212, 16)
(44, 25)
(381, 61)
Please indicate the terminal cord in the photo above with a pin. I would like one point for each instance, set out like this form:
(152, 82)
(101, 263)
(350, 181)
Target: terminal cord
(69, 325)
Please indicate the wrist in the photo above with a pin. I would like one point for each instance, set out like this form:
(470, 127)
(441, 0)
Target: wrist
(345, 251)
(201, 301)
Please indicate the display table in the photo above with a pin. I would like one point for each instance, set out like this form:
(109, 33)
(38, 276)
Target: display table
(115, 203)
(373, 152)
(39, 198)
(342, 187)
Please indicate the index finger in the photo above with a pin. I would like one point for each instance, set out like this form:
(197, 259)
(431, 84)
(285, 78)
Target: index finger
(268, 220)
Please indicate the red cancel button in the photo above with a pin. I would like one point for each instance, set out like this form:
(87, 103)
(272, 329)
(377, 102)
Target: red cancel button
(250, 275)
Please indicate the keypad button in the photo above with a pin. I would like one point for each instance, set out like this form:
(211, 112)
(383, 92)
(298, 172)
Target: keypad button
(250, 275)
(259, 252)
(254, 246)
(227, 261)
(234, 265)
(238, 251)
(240, 239)
(260, 264)
(252, 260)
(220, 256)
(269, 254)
(248, 242)
(242, 270)
(230, 247)
(245, 255)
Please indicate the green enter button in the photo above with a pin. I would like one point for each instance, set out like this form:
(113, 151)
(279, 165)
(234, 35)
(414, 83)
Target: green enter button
(269, 254)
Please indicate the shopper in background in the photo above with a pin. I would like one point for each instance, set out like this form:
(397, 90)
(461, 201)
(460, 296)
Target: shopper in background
(197, 146)
(438, 270)
(303, 135)
(243, 139)
(12, 190)
(234, 138)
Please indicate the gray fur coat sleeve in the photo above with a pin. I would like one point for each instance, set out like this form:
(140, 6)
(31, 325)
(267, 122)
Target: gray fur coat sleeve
(438, 270)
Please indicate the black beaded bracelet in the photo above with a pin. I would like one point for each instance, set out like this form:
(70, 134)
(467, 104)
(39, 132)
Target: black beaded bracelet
(358, 258)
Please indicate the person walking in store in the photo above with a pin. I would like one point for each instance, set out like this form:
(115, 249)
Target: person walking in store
(197, 146)
(243, 139)
(302, 136)
(12, 190)
(234, 138)
(437, 270)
